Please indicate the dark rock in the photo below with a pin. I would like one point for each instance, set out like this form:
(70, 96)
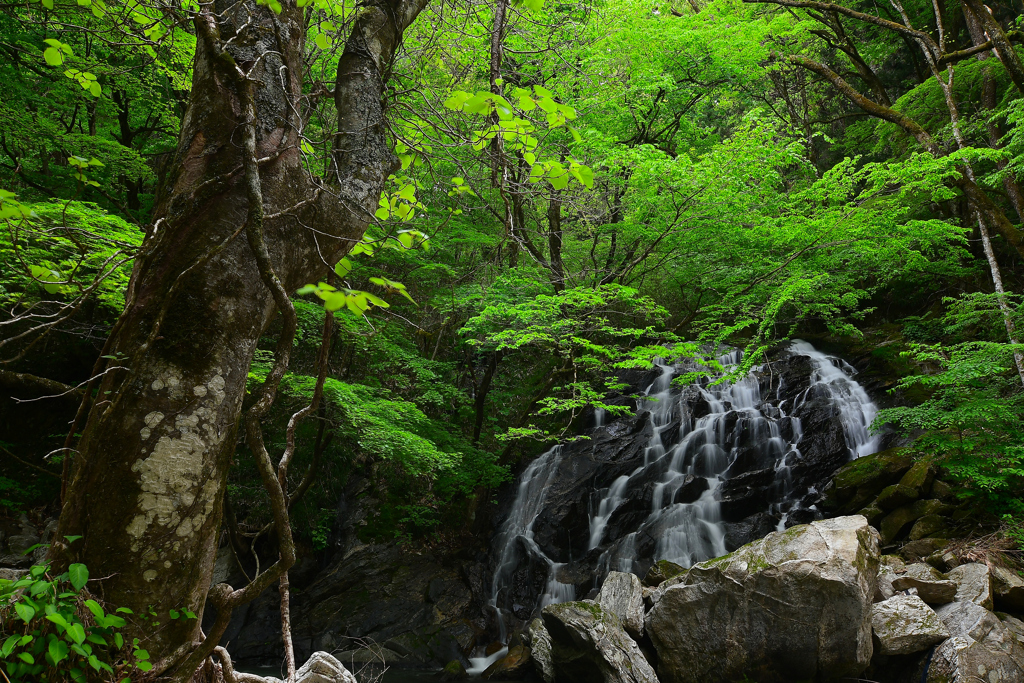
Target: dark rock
(894, 496)
(749, 530)
(453, 671)
(376, 592)
(895, 521)
(431, 646)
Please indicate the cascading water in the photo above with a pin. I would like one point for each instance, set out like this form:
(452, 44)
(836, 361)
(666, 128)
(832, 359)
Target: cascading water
(518, 528)
(726, 431)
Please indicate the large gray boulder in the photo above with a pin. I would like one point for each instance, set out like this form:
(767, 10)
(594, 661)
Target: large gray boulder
(904, 624)
(623, 596)
(794, 605)
(322, 667)
(589, 645)
(983, 647)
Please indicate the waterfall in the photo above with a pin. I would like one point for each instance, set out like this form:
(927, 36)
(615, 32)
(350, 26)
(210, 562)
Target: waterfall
(528, 503)
(726, 429)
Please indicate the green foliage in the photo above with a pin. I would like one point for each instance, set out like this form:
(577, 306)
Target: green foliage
(53, 630)
(57, 250)
(972, 420)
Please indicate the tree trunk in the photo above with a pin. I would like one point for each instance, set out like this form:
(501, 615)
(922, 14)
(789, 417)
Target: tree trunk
(149, 475)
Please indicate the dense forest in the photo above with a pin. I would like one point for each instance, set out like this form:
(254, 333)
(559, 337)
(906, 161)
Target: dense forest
(252, 252)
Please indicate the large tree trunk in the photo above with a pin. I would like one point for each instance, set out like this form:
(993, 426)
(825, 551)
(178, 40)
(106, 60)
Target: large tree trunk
(149, 475)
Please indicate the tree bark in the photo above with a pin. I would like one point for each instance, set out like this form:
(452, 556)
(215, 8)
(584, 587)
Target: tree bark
(148, 481)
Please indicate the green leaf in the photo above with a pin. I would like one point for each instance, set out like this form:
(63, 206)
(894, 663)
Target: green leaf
(53, 56)
(321, 41)
(78, 574)
(26, 657)
(58, 619)
(8, 646)
(26, 612)
(77, 633)
(341, 268)
(95, 608)
(58, 650)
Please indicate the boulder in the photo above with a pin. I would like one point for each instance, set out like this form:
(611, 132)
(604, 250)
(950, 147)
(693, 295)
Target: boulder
(895, 521)
(589, 645)
(973, 584)
(660, 571)
(919, 478)
(895, 496)
(516, 664)
(904, 624)
(540, 649)
(453, 671)
(966, 619)
(622, 595)
(793, 605)
(931, 585)
(915, 551)
(983, 647)
(322, 667)
(929, 525)
(1007, 589)
(859, 481)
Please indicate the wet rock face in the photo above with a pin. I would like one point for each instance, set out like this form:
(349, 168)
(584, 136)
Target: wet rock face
(795, 605)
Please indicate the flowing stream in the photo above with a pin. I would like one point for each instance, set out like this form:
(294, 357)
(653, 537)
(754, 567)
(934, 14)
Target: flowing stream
(685, 513)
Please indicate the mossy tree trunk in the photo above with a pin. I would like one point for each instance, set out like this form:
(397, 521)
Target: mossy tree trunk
(150, 469)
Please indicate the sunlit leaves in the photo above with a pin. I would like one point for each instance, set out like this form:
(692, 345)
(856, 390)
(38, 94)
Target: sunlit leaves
(56, 52)
(86, 80)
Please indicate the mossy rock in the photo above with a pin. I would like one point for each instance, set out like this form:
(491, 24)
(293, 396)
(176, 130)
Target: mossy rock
(453, 671)
(895, 496)
(873, 513)
(859, 481)
(943, 491)
(896, 520)
(662, 571)
(919, 477)
(929, 525)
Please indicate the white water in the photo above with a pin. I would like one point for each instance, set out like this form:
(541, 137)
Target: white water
(528, 503)
(692, 531)
(477, 665)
